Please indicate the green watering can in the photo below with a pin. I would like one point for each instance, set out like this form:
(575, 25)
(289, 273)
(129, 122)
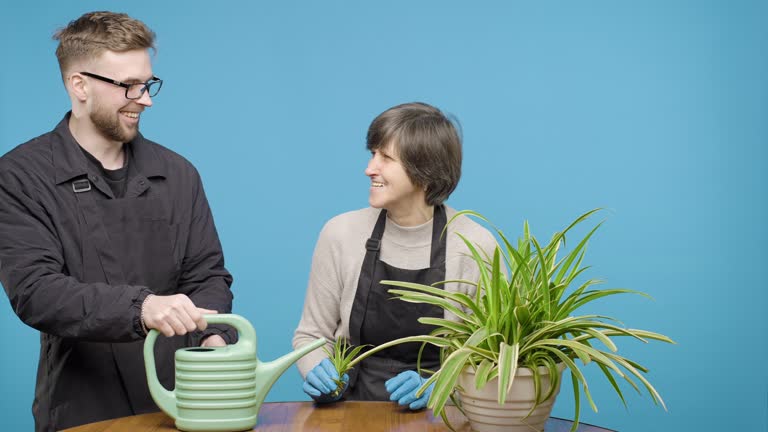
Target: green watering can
(222, 388)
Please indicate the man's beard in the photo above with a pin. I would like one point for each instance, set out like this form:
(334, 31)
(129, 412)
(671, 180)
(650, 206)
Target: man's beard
(108, 123)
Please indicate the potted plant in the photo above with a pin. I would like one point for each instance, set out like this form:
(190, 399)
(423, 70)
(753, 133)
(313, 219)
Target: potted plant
(519, 331)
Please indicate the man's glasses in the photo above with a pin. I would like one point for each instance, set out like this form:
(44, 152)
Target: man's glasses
(135, 90)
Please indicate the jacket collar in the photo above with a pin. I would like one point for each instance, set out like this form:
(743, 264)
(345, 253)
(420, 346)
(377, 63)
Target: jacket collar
(70, 162)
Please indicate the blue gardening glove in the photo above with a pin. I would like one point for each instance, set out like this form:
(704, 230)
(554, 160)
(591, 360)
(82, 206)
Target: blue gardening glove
(320, 384)
(403, 387)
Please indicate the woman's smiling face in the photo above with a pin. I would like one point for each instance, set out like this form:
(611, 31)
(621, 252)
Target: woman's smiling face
(391, 188)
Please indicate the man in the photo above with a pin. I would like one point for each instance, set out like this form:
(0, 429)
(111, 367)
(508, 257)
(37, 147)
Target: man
(105, 234)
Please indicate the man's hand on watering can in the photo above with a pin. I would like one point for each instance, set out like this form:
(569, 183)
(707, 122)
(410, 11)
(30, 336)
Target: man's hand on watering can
(320, 384)
(173, 315)
(403, 387)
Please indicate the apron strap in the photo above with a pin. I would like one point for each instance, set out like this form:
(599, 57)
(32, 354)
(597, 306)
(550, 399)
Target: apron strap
(437, 249)
(360, 304)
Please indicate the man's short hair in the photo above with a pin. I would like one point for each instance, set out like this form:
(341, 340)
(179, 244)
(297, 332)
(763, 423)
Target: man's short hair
(427, 144)
(95, 32)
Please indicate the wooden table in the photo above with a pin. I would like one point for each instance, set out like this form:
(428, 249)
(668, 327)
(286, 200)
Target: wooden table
(339, 417)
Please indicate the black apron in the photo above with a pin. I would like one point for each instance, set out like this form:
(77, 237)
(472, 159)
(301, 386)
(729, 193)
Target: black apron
(126, 241)
(377, 318)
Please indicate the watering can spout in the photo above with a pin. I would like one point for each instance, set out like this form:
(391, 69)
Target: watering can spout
(269, 372)
(284, 362)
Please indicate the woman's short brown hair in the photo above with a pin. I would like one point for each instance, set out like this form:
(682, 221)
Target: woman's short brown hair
(427, 144)
(95, 32)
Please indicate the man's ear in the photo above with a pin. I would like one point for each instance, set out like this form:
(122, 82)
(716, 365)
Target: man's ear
(78, 86)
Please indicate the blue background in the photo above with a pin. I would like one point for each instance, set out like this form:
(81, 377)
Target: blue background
(656, 110)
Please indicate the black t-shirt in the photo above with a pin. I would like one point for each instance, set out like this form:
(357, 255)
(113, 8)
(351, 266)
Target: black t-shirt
(116, 179)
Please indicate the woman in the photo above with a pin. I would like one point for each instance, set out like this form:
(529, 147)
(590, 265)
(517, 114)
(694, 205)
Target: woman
(415, 165)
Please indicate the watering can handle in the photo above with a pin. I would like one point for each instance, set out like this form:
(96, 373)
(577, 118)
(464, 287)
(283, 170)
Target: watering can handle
(246, 332)
(165, 399)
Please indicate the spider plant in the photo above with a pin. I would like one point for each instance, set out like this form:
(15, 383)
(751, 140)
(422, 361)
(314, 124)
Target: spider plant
(523, 314)
(342, 359)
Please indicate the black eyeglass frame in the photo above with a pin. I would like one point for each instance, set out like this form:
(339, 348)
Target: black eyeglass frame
(127, 87)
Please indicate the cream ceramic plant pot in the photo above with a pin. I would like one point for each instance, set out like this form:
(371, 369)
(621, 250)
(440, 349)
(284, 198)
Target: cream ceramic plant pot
(486, 415)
